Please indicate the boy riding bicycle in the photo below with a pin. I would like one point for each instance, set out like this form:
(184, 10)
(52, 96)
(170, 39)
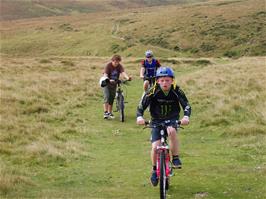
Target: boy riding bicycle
(148, 69)
(164, 100)
(108, 81)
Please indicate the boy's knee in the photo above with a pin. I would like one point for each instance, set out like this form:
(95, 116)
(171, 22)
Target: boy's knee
(146, 83)
(171, 131)
(154, 145)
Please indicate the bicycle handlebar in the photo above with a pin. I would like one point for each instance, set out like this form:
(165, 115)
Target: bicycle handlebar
(149, 78)
(162, 124)
(118, 81)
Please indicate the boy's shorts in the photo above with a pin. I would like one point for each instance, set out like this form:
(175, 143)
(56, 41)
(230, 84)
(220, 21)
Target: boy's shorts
(155, 132)
(109, 94)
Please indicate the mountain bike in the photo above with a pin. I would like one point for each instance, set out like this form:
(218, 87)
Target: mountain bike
(163, 163)
(120, 99)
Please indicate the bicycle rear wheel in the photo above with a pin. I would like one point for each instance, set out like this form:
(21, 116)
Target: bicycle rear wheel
(163, 179)
(122, 108)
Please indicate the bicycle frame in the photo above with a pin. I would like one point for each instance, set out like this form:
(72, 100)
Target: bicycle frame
(163, 148)
(119, 95)
(120, 103)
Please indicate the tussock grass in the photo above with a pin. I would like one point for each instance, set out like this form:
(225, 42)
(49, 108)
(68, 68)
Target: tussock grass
(222, 103)
(45, 61)
(246, 130)
(9, 182)
(38, 99)
(67, 63)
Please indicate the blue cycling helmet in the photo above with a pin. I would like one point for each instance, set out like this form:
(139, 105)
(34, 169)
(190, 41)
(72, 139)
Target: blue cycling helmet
(165, 71)
(149, 53)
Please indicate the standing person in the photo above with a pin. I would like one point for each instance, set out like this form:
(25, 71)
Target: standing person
(148, 69)
(108, 81)
(164, 101)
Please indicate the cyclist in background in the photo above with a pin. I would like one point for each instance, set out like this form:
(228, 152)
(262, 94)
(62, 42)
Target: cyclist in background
(148, 69)
(164, 100)
(108, 81)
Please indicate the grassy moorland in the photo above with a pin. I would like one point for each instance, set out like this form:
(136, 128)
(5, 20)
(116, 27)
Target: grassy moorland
(55, 144)
(53, 140)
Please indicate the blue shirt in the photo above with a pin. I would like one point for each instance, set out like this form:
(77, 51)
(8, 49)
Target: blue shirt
(150, 68)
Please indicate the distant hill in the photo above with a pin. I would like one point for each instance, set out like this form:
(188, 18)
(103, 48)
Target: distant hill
(209, 29)
(20, 9)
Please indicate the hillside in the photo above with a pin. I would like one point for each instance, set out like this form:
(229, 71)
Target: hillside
(21, 9)
(230, 28)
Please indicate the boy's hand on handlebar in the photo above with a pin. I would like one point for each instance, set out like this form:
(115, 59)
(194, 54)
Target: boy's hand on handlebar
(140, 121)
(185, 120)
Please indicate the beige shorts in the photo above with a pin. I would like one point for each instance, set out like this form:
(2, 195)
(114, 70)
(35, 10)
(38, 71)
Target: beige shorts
(109, 94)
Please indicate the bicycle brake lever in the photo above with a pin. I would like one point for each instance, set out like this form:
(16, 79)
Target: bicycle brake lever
(146, 124)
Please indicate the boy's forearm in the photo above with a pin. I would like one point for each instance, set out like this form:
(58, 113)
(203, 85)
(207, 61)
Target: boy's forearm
(184, 103)
(140, 111)
(142, 106)
(141, 74)
(125, 75)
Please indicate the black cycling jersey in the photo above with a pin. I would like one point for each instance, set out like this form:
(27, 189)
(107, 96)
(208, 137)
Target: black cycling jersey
(164, 106)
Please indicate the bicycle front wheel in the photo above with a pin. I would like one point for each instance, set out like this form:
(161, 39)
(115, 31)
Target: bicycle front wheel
(163, 178)
(122, 108)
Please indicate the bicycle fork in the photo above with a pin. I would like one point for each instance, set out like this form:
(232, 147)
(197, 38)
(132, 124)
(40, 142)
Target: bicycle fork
(168, 164)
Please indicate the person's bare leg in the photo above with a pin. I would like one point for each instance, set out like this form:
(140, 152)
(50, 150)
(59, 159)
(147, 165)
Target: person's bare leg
(174, 141)
(105, 107)
(174, 147)
(145, 85)
(153, 152)
(110, 108)
(154, 177)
